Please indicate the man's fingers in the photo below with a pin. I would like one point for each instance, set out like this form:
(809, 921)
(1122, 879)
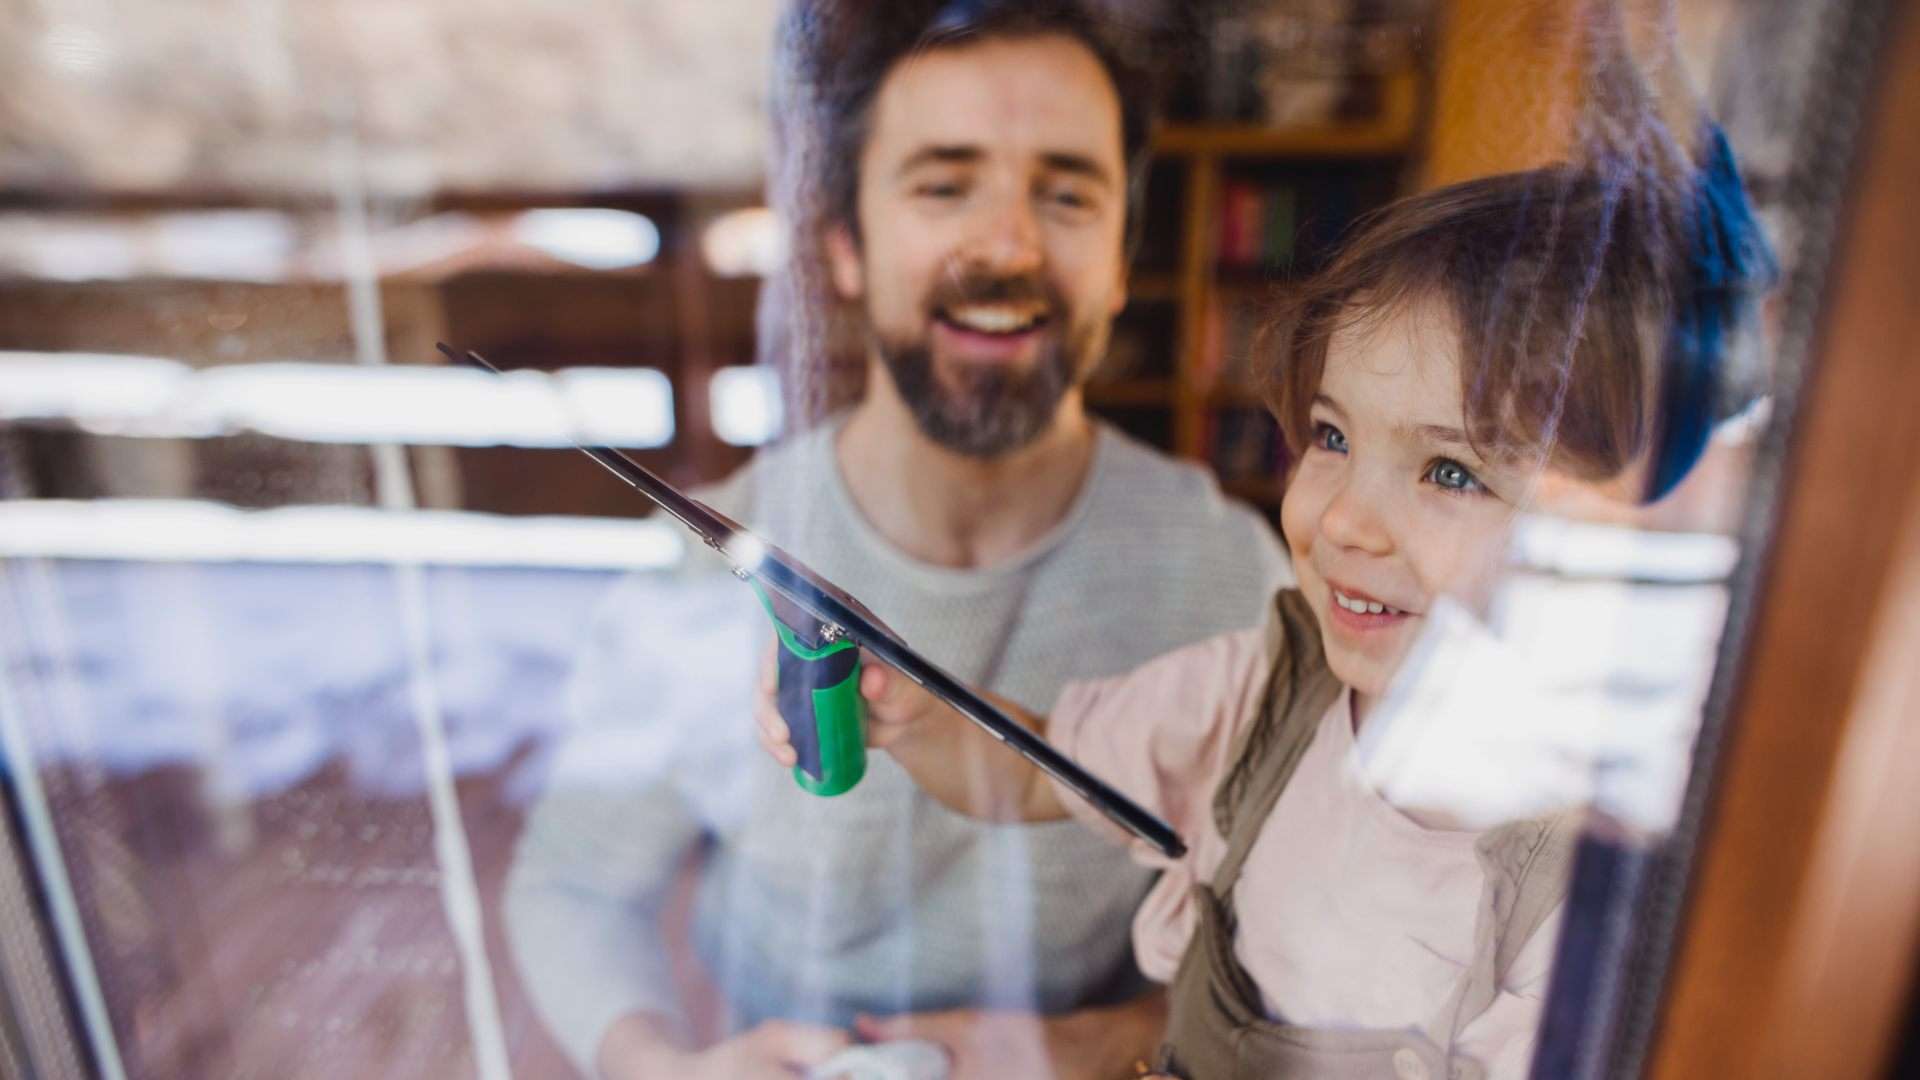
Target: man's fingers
(883, 1028)
(770, 668)
(801, 1045)
(773, 726)
(775, 739)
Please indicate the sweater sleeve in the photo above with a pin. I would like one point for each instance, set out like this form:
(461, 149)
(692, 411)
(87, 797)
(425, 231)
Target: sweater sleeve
(584, 899)
(615, 825)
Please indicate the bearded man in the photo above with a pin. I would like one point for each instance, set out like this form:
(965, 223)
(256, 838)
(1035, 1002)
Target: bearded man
(979, 162)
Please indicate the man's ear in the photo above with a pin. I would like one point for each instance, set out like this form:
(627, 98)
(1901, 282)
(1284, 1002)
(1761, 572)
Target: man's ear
(843, 262)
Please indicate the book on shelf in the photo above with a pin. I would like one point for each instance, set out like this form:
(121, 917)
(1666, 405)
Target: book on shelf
(1257, 225)
(1277, 225)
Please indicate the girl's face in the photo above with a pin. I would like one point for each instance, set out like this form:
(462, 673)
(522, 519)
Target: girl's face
(1390, 508)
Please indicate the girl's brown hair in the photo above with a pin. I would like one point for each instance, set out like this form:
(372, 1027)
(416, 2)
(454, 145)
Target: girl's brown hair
(1560, 284)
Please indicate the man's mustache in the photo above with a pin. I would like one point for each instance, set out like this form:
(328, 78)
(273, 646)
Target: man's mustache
(983, 289)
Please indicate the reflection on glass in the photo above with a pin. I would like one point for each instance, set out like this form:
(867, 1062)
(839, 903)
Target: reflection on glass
(746, 405)
(332, 403)
(595, 239)
(344, 739)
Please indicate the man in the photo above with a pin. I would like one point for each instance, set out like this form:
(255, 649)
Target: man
(978, 200)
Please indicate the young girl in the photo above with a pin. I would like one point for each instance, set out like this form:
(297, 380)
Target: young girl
(1470, 350)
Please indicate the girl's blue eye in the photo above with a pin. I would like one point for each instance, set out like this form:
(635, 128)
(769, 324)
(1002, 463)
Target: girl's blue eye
(1450, 475)
(1328, 437)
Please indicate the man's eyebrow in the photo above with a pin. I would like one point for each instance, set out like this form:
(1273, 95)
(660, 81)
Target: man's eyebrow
(1078, 164)
(962, 154)
(940, 154)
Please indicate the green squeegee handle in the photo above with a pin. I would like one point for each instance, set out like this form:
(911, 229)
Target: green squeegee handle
(819, 698)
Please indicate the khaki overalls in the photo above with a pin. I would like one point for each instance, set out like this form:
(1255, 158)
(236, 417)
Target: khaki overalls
(1215, 1028)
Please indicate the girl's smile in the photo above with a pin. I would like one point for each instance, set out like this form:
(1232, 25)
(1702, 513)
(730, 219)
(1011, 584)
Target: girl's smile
(1357, 612)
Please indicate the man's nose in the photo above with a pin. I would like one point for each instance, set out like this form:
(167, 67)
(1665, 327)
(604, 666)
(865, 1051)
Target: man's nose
(1357, 519)
(1007, 238)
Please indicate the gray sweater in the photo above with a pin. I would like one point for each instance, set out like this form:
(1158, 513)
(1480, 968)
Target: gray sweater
(878, 900)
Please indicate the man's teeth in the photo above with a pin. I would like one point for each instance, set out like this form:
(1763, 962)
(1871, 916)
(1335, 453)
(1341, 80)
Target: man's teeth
(1363, 607)
(995, 318)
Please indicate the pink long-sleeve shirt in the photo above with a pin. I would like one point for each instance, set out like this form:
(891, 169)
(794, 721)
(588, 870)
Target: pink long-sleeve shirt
(1351, 914)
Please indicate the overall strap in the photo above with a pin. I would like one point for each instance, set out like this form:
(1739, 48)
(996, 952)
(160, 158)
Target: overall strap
(1526, 865)
(1300, 688)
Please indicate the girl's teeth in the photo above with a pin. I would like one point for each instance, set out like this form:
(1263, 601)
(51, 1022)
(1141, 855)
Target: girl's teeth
(1362, 607)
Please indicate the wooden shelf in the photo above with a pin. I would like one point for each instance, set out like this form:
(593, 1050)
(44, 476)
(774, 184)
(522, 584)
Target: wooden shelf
(1248, 279)
(1131, 392)
(1163, 392)
(1318, 141)
(1390, 133)
(1153, 288)
(1262, 491)
(1236, 394)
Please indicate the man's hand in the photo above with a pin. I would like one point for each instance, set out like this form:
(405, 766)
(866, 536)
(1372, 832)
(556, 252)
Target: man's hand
(637, 1047)
(1094, 1044)
(896, 706)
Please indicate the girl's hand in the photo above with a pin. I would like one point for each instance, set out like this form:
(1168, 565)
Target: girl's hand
(961, 768)
(896, 707)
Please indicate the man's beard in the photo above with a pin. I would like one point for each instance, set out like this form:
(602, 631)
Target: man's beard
(994, 410)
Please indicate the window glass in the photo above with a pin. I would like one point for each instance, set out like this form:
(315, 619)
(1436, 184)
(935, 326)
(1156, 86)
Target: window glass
(1297, 467)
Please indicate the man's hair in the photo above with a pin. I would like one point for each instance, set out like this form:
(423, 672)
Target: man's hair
(1560, 283)
(868, 40)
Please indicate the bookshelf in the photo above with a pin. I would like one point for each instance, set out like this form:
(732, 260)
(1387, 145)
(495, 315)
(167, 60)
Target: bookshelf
(1233, 212)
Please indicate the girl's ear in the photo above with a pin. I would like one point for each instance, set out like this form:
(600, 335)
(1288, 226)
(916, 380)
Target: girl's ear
(843, 262)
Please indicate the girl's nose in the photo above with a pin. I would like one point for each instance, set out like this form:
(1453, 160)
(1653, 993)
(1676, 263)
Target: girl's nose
(1355, 519)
